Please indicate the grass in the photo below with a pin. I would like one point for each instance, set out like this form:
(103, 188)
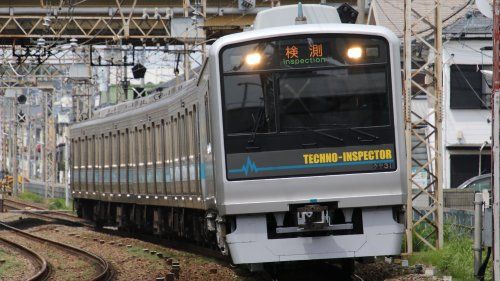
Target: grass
(9, 266)
(52, 203)
(456, 258)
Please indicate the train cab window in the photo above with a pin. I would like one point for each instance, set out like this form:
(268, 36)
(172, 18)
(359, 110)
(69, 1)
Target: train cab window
(314, 99)
(297, 94)
(251, 103)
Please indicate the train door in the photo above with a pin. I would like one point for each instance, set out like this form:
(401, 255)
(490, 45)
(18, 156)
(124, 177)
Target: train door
(159, 157)
(114, 162)
(183, 154)
(107, 164)
(85, 157)
(98, 164)
(76, 165)
(90, 164)
(150, 166)
(141, 148)
(169, 158)
(190, 155)
(123, 162)
(196, 152)
(177, 158)
(133, 171)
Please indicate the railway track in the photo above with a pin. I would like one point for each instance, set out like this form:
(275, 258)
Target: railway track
(43, 268)
(13, 204)
(104, 271)
(179, 245)
(44, 214)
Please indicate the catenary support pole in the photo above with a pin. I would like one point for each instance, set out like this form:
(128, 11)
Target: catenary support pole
(496, 140)
(478, 227)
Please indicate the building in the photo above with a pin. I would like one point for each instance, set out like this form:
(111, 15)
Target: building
(467, 50)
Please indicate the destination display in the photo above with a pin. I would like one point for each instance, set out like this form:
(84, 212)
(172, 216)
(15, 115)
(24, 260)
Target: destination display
(311, 162)
(304, 52)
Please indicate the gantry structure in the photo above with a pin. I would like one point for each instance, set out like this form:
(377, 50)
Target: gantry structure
(424, 27)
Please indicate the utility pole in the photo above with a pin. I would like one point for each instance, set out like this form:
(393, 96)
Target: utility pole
(362, 12)
(426, 130)
(496, 140)
(49, 150)
(187, 65)
(15, 152)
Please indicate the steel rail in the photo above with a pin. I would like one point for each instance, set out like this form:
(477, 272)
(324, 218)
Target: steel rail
(105, 273)
(16, 204)
(44, 272)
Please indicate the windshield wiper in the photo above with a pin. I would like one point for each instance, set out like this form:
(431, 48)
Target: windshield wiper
(372, 136)
(317, 131)
(256, 126)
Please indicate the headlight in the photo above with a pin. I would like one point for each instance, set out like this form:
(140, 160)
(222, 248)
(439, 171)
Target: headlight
(253, 59)
(354, 53)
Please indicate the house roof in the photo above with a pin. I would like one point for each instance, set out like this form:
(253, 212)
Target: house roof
(474, 24)
(390, 13)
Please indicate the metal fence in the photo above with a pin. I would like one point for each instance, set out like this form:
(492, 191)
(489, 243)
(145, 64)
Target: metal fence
(458, 208)
(39, 189)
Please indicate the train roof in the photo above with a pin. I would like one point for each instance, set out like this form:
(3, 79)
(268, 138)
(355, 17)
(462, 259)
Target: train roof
(272, 32)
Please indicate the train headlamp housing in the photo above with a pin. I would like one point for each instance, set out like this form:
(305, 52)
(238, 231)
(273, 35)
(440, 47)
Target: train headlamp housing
(355, 53)
(253, 59)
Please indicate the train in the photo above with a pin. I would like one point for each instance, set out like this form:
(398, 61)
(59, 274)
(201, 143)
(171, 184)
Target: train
(288, 146)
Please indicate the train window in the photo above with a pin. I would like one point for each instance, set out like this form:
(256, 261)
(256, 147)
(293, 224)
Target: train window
(250, 106)
(306, 93)
(304, 52)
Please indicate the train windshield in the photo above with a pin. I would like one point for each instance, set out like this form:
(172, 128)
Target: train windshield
(284, 99)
